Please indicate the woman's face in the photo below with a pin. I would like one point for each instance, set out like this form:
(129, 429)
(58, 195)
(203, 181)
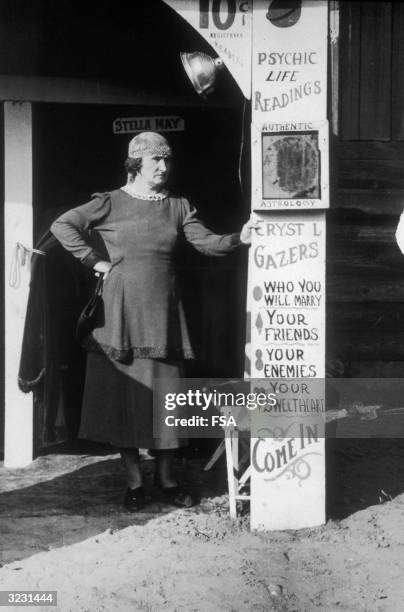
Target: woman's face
(155, 170)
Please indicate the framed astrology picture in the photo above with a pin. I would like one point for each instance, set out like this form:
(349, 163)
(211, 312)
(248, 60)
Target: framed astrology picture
(290, 166)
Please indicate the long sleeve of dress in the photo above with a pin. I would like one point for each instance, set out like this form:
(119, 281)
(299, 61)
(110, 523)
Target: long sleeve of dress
(71, 228)
(203, 239)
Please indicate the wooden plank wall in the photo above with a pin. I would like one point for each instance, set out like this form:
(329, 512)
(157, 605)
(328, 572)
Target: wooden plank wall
(365, 267)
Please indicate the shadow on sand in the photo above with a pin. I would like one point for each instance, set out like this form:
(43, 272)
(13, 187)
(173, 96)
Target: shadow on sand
(86, 501)
(71, 507)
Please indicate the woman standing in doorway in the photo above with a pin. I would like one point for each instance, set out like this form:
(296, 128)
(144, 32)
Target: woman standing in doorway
(142, 332)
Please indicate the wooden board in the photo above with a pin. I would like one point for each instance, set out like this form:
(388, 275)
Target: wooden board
(371, 202)
(375, 71)
(370, 174)
(349, 67)
(398, 72)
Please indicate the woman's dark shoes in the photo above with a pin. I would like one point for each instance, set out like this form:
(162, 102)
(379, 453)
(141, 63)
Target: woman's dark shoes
(134, 499)
(176, 495)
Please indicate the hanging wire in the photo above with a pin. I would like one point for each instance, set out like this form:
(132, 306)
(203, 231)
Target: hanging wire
(240, 158)
(21, 256)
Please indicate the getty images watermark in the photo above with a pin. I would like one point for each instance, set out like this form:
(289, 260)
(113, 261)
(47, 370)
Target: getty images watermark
(201, 408)
(343, 408)
(203, 400)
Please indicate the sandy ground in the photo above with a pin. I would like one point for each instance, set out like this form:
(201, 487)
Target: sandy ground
(63, 529)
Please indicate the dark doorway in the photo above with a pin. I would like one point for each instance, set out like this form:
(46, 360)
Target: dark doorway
(76, 153)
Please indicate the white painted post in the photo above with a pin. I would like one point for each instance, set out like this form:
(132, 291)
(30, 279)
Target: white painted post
(18, 438)
(290, 190)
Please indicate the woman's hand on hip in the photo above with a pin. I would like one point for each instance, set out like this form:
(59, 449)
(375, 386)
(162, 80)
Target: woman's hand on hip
(103, 267)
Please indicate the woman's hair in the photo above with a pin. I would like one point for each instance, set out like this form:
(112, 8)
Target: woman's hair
(133, 165)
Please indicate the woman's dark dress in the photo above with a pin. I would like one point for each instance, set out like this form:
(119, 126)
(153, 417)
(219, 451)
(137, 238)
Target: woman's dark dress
(143, 333)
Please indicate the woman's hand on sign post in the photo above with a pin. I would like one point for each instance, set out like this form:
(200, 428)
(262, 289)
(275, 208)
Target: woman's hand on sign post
(102, 267)
(246, 230)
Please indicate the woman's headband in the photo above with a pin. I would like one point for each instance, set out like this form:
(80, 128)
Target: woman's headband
(149, 143)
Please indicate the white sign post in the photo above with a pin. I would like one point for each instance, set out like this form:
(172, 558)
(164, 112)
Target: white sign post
(287, 272)
(18, 434)
(283, 68)
(286, 294)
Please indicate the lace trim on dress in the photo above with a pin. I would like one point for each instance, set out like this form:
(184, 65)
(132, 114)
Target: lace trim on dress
(151, 197)
(140, 352)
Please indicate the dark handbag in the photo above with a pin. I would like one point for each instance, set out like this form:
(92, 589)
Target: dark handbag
(88, 316)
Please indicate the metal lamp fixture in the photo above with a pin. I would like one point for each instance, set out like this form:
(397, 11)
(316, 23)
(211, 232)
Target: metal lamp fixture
(201, 70)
